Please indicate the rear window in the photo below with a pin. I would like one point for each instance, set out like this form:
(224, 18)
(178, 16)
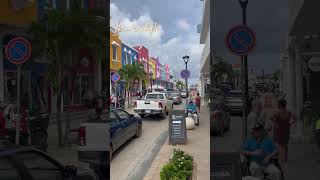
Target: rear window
(154, 96)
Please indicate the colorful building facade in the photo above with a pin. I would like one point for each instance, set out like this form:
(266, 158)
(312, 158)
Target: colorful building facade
(129, 55)
(143, 57)
(115, 51)
(152, 67)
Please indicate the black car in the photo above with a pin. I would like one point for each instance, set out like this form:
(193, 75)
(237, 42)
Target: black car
(27, 163)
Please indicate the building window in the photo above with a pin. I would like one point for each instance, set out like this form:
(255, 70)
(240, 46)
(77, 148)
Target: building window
(11, 87)
(81, 89)
(114, 52)
(128, 58)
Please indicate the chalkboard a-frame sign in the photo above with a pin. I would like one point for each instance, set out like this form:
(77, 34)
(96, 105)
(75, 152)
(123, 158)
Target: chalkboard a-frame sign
(177, 127)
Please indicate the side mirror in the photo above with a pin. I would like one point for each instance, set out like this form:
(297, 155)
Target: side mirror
(69, 172)
(131, 115)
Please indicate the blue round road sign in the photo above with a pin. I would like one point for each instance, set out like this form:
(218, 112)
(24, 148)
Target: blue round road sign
(18, 50)
(185, 74)
(240, 40)
(115, 77)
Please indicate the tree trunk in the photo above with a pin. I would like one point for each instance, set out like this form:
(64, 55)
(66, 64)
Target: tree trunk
(59, 123)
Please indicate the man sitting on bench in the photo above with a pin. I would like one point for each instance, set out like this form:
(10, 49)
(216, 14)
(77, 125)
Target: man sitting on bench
(259, 149)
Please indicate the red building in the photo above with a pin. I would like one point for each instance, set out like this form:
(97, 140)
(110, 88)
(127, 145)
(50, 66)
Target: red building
(143, 58)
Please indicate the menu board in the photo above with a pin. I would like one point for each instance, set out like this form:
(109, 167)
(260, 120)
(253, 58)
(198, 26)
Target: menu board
(177, 127)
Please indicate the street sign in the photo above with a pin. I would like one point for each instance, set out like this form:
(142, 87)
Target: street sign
(185, 74)
(18, 50)
(177, 127)
(115, 77)
(225, 166)
(240, 40)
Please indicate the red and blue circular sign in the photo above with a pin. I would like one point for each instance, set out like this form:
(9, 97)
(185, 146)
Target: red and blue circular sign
(185, 74)
(240, 40)
(18, 50)
(115, 77)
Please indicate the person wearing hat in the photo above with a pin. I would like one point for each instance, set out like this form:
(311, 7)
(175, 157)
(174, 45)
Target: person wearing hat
(259, 149)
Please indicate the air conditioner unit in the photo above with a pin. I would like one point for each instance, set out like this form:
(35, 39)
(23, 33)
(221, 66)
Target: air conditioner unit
(199, 28)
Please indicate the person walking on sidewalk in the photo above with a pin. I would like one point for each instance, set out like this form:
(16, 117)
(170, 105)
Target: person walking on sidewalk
(254, 116)
(282, 121)
(198, 101)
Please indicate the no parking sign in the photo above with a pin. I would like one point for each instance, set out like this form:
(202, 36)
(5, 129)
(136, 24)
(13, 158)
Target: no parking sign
(18, 50)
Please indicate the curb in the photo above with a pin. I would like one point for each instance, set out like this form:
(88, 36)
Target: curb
(143, 166)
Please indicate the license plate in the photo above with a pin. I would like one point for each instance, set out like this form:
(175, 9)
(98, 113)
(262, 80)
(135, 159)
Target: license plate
(148, 111)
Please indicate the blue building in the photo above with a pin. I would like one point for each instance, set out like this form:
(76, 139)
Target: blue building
(129, 55)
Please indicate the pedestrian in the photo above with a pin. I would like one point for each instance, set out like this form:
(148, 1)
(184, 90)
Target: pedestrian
(198, 101)
(259, 150)
(282, 121)
(254, 115)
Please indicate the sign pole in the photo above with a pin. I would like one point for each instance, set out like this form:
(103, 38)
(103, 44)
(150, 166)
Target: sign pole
(17, 115)
(245, 73)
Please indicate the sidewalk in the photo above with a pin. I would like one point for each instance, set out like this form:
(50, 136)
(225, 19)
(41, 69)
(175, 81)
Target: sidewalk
(198, 145)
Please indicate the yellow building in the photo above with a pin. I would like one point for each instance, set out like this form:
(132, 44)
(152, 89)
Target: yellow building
(18, 15)
(115, 51)
(152, 67)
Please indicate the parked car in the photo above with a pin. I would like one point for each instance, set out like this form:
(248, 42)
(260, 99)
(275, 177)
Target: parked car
(22, 162)
(234, 101)
(154, 104)
(176, 98)
(121, 126)
(183, 94)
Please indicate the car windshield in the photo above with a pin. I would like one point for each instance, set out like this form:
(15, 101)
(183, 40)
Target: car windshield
(154, 96)
(174, 94)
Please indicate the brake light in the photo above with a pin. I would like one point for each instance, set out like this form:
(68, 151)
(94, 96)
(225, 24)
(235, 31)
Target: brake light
(82, 136)
(160, 105)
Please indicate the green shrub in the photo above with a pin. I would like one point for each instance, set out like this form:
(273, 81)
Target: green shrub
(178, 168)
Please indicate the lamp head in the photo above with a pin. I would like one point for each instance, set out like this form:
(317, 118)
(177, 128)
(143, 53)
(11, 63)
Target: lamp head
(243, 2)
(185, 58)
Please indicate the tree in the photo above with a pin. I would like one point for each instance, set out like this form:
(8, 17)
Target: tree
(130, 72)
(222, 70)
(58, 36)
(179, 84)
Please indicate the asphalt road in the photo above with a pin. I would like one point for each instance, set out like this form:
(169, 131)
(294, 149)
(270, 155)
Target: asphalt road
(136, 156)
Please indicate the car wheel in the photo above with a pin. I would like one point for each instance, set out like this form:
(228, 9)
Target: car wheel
(139, 130)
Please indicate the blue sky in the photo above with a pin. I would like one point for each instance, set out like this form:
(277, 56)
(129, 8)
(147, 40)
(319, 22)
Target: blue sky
(177, 30)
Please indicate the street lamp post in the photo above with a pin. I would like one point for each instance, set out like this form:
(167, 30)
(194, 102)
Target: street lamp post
(244, 64)
(186, 59)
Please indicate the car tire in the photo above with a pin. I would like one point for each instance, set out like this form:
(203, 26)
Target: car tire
(139, 131)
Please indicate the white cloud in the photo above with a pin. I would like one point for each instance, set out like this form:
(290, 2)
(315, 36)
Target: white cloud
(183, 25)
(169, 51)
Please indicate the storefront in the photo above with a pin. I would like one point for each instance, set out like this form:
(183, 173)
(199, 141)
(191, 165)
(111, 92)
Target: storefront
(79, 80)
